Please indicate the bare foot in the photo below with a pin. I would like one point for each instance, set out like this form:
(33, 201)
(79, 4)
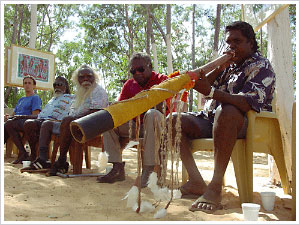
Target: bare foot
(210, 200)
(193, 188)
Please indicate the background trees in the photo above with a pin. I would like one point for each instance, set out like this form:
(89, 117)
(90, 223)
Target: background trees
(107, 35)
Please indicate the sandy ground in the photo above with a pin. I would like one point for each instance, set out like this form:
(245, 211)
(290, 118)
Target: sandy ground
(35, 197)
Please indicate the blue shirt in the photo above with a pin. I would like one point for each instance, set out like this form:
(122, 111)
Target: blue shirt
(57, 108)
(26, 105)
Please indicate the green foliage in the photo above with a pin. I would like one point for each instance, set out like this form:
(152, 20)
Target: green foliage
(104, 36)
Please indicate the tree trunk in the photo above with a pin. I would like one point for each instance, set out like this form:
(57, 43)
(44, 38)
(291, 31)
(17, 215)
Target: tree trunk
(130, 41)
(15, 27)
(13, 41)
(159, 27)
(51, 31)
(191, 96)
(153, 45)
(42, 26)
(217, 29)
(169, 52)
(148, 36)
(33, 26)
(21, 14)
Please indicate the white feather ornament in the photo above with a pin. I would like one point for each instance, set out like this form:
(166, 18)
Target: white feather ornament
(132, 196)
(102, 161)
(145, 207)
(160, 213)
(163, 194)
(131, 144)
(152, 180)
(176, 194)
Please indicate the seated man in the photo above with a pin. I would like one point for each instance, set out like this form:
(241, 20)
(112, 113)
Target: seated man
(90, 97)
(143, 78)
(48, 121)
(247, 82)
(31, 104)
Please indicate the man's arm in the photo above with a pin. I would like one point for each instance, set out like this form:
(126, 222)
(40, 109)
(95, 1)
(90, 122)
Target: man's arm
(204, 87)
(238, 101)
(36, 112)
(214, 74)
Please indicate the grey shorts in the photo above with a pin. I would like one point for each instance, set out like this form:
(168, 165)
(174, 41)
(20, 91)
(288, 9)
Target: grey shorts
(206, 126)
(56, 127)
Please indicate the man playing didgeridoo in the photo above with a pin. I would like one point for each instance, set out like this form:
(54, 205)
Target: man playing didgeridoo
(246, 82)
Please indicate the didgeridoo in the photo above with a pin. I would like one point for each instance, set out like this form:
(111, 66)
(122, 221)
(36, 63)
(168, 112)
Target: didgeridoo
(94, 124)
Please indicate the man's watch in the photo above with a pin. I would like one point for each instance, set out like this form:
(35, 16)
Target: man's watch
(211, 93)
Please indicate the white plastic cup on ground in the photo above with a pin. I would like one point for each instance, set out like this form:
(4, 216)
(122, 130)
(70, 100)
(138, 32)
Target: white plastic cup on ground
(250, 211)
(268, 200)
(26, 163)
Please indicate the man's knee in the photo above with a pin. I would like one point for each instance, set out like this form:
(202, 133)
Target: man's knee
(47, 125)
(67, 120)
(152, 115)
(65, 124)
(228, 113)
(29, 125)
(228, 116)
(8, 124)
(11, 125)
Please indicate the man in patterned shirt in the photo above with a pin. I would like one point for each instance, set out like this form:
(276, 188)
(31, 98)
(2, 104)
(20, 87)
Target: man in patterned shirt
(246, 82)
(90, 97)
(39, 129)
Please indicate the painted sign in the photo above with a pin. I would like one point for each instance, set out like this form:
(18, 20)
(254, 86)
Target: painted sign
(22, 61)
(34, 66)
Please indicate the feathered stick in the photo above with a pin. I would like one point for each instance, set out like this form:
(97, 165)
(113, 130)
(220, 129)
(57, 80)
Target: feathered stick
(137, 131)
(102, 158)
(102, 161)
(131, 196)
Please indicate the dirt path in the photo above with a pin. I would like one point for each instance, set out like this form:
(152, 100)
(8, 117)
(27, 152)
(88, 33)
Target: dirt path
(35, 197)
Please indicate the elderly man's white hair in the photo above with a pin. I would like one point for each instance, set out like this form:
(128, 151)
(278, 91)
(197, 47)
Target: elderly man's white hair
(84, 68)
(83, 93)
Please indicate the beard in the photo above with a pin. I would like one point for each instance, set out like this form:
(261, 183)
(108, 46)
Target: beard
(82, 93)
(57, 93)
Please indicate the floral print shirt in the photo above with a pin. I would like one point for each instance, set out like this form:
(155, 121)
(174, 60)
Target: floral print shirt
(254, 79)
(57, 108)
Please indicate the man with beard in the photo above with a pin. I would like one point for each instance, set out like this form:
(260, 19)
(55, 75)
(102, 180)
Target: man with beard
(90, 97)
(48, 122)
(246, 82)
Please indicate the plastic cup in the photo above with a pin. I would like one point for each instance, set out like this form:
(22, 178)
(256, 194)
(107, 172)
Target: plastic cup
(250, 211)
(268, 200)
(26, 163)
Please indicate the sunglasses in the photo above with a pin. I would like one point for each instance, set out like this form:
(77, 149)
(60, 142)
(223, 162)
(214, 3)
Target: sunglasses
(57, 84)
(141, 69)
